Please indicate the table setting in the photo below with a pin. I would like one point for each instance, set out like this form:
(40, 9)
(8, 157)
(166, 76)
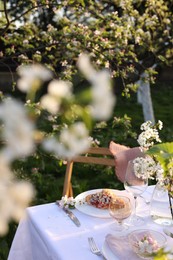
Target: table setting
(48, 232)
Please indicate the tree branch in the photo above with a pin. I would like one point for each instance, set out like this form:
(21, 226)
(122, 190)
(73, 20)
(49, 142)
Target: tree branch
(18, 18)
(6, 14)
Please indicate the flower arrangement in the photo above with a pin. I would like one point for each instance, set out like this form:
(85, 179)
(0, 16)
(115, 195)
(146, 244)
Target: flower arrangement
(147, 245)
(149, 134)
(158, 162)
(67, 202)
(148, 167)
(163, 153)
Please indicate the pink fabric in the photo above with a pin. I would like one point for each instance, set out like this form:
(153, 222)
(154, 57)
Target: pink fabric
(115, 148)
(119, 246)
(122, 155)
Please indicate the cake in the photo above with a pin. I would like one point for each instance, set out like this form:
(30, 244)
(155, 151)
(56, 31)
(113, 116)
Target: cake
(100, 199)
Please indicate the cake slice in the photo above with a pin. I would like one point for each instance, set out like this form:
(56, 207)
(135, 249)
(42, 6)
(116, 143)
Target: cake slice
(100, 199)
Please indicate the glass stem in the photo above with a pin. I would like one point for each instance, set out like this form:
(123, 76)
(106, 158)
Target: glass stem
(119, 222)
(170, 203)
(135, 198)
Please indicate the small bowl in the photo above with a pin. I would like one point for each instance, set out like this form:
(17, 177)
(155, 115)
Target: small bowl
(146, 242)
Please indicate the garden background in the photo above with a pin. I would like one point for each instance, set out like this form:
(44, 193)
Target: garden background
(37, 32)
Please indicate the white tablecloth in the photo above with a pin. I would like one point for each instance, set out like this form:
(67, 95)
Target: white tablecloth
(47, 233)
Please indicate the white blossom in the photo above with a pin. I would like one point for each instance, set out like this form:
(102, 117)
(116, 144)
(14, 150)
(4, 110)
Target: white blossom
(150, 134)
(25, 41)
(160, 124)
(85, 66)
(57, 91)
(17, 131)
(147, 245)
(146, 167)
(146, 125)
(60, 89)
(50, 103)
(93, 141)
(72, 141)
(14, 196)
(31, 76)
(67, 202)
(103, 99)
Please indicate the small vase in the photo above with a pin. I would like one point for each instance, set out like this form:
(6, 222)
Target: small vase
(160, 206)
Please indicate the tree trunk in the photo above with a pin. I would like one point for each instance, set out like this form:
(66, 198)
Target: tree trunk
(144, 98)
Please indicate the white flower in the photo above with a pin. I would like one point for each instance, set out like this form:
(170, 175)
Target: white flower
(160, 124)
(67, 202)
(17, 131)
(14, 196)
(57, 90)
(146, 125)
(94, 141)
(150, 134)
(3, 225)
(147, 245)
(103, 99)
(31, 76)
(50, 103)
(97, 32)
(58, 15)
(60, 89)
(146, 167)
(72, 141)
(85, 66)
(64, 63)
(25, 41)
(22, 192)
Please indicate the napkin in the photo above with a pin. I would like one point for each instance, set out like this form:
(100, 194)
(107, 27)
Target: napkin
(122, 155)
(119, 246)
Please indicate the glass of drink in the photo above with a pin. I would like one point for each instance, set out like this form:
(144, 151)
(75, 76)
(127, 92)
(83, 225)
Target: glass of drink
(120, 208)
(136, 186)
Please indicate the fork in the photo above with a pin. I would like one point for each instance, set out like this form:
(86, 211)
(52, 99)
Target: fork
(94, 248)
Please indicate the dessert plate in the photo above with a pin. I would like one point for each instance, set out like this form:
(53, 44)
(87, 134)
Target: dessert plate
(107, 252)
(95, 212)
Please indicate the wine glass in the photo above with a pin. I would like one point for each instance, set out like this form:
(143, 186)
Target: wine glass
(136, 186)
(120, 209)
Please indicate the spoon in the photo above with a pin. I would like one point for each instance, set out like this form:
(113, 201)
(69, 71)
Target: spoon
(147, 201)
(167, 232)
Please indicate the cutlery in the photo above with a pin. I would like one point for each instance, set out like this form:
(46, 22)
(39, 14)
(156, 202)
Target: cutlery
(147, 201)
(70, 215)
(94, 248)
(167, 232)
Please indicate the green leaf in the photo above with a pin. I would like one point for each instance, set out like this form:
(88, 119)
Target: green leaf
(163, 153)
(87, 119)
(163, 150)
(84, 97)
(162, 58)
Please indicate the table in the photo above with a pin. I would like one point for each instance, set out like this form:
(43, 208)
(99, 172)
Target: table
(46, 233)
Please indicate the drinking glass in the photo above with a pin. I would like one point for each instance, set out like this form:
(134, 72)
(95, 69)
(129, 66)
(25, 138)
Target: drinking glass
(136, 186)
(120, 208)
